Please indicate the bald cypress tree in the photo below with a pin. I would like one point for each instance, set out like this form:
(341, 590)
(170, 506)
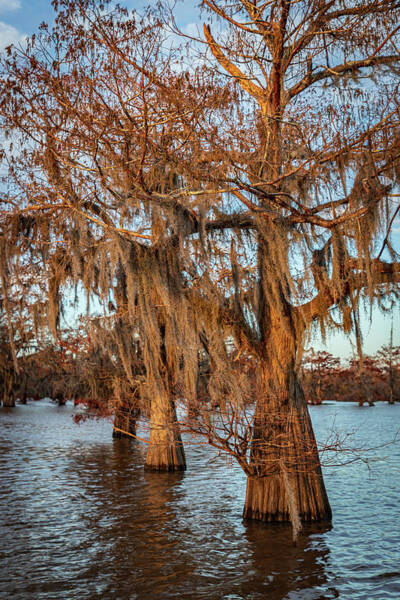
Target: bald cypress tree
(93, 165)
(313, 156)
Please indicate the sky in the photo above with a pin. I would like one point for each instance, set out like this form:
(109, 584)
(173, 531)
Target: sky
(19, 18)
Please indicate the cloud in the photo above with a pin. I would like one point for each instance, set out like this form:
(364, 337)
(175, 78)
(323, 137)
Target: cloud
(9, 35)
(9, 5)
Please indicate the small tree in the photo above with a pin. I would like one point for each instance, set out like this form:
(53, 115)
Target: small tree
(319, 370)
(388, 358)
(365, 382)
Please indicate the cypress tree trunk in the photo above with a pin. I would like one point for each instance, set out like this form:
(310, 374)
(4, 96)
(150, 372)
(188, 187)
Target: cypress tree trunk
(165, 451)
(286, 482)
(8, 400)
(391, 386)
(8, 395)
(125, 418)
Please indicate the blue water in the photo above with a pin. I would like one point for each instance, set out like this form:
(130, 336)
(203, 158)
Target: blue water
(79, 518)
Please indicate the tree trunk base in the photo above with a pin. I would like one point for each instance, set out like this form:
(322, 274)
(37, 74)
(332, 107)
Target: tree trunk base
(161, 458)
(9, 402)
(125, 423)
(287, 497)
(165, 450)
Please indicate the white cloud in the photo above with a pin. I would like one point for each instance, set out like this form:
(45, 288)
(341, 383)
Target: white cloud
(9, 5)
(9, 35)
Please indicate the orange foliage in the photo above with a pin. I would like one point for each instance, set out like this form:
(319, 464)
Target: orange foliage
(374, 378)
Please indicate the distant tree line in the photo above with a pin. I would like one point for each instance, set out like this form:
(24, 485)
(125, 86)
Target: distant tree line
(74, 369)
(71, 369)
(366, 381)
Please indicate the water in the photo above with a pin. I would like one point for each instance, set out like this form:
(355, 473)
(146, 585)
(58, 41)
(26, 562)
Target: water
(79, 518)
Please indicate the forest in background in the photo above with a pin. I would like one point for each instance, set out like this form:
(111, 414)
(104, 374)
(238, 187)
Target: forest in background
(73, 370)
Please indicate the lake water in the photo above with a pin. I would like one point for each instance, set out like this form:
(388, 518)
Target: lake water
(80, 519)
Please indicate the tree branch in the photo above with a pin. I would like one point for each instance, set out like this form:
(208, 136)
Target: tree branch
(245, 82)
(354, 65)
(383, 272)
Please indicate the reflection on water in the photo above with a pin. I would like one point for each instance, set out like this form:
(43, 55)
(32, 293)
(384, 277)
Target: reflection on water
(79, 518)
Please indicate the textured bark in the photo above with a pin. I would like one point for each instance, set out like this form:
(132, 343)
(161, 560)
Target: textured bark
(125, 418)
(289, 484)
(165, 451)
(8, 400)
(8, 393)
(391, 387)
(286, 482)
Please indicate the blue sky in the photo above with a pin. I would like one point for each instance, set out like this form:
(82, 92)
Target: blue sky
(22, 17)
(19, 18)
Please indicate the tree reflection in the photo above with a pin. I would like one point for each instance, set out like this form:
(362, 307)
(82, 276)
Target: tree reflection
(284, 569)
(131, 515)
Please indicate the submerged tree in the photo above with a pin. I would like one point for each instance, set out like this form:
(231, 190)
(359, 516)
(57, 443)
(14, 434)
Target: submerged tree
(93, 165)
(317, 183)
(223, 218)
(312, 153)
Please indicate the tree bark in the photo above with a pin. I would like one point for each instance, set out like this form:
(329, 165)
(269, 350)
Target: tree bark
(8, 400)
(8, 394)
(286, 482)
(125, 418)
(165, 451)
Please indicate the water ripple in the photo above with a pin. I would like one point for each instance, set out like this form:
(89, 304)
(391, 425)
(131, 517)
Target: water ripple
(80, 518)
